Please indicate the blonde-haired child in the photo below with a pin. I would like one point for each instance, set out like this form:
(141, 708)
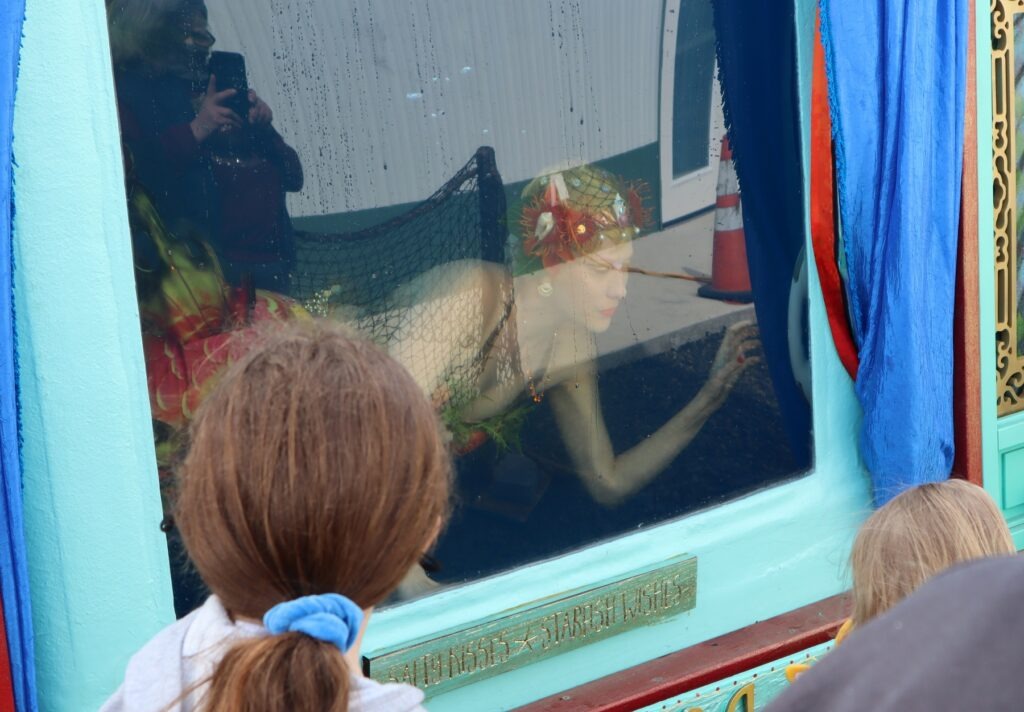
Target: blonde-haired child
(918, 534)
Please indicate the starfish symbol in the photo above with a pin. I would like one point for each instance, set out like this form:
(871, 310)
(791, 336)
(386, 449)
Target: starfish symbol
(527, 641)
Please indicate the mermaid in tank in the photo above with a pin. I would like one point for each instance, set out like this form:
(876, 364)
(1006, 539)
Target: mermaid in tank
(484, 339)
(489, 341)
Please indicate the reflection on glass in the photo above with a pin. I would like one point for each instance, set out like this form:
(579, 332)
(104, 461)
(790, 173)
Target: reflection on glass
(479, 204)
(691, 107)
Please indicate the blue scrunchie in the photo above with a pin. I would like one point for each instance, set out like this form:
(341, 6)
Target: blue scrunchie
(329, 617)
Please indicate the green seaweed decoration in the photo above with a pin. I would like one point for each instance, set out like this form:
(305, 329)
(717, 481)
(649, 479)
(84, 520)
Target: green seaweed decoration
(504, 428)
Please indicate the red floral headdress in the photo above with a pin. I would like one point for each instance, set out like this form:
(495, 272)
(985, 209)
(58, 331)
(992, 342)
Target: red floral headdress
(581, 211)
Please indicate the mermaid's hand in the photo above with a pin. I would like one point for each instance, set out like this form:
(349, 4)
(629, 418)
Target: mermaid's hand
(736, 353)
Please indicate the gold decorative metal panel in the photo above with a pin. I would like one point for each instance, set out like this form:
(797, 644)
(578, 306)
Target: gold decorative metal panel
(538, 631)
(1008, 201)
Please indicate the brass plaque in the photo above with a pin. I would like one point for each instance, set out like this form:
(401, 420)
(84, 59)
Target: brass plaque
(539, 631)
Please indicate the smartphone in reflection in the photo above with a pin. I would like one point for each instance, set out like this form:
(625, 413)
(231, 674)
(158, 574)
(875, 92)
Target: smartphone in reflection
(229, 69)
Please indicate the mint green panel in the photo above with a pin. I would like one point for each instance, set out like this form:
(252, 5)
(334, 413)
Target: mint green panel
(1013, 478)
(1009, 482)
(1011, 460)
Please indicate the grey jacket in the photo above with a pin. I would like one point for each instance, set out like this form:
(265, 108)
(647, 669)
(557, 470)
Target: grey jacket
(954, 644)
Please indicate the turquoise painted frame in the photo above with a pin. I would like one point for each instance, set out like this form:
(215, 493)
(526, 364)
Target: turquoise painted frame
(98, 564)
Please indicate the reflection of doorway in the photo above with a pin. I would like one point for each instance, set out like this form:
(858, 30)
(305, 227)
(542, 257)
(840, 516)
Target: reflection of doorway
(691, 109)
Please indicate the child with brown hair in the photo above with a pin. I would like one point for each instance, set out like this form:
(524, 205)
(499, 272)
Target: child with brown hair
(303, 461)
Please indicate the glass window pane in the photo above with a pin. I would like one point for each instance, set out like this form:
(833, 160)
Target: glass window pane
(694, 72)
(472, 185)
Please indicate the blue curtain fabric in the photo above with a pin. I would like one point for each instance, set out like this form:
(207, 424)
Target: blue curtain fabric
(13, 565)
(757, 70)
(897, 78)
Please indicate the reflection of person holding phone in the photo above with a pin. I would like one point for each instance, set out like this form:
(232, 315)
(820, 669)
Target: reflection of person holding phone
(252, 168)
(207, 161)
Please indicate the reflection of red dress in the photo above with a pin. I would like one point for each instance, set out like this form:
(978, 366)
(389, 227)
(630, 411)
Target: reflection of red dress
(193, 323)
(180, 371)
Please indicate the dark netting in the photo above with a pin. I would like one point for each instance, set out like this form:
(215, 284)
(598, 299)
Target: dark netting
(420, 285)
(464, 219)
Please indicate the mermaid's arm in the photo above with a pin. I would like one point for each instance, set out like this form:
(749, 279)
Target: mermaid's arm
(612, 478)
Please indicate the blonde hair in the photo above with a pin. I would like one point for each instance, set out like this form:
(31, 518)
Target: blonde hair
(134, 25)
(920, 533)
(316, 466)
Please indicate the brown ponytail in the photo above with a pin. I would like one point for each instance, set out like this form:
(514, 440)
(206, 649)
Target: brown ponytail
(316, 466)
(283, 672)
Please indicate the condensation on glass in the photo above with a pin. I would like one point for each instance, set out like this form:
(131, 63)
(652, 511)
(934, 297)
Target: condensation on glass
(518, 200)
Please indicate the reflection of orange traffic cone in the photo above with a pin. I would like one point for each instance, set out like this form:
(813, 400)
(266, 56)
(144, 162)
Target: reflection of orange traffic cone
(730, 278)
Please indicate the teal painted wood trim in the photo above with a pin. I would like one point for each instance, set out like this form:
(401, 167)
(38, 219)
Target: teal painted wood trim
(97, 562)
(1010, 434)
(1009, 494)
(764, 554)
(768, 682)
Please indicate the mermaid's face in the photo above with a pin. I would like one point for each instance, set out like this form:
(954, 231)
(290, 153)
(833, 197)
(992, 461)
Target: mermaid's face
(588, 289)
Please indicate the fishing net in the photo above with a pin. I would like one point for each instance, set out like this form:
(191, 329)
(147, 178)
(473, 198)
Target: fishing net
(464, 219)
(413, 283)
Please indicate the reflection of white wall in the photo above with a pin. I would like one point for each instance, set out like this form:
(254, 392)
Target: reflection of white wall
(384, 100)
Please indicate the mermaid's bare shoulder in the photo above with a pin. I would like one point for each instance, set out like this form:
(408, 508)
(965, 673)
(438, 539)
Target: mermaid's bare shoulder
(473, 278)
(447, 315)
